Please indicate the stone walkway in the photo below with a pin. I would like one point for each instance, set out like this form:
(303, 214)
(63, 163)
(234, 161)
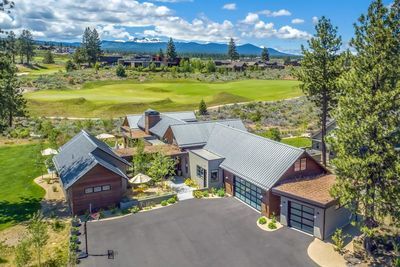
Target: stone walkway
(178, 185)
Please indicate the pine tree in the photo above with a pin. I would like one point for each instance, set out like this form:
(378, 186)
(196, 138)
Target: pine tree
(27, 45)
(48, 57)
(367, 164)
(320, 69)
(171, 51)
(11, 45)
(95, 46)
(232, 52)
(265, 54)
(203, 108)
(12, 102)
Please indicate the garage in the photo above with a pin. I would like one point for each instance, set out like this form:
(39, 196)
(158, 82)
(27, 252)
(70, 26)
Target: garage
(301, 217)
(248, 193)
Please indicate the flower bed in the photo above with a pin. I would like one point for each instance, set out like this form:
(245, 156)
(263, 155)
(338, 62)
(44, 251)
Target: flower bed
(209, 193)
(268, 224)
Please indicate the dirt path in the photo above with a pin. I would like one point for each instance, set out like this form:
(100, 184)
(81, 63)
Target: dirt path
(53, 203)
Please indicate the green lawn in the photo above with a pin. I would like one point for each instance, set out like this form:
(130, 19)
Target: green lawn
(40, 69)
(116, 98)
(297, 141)
(19, 195)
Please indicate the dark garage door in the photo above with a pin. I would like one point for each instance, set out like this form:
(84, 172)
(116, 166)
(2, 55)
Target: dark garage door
(247, 192)
(301, 217)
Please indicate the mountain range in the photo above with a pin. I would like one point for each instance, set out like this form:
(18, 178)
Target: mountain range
(181, 47)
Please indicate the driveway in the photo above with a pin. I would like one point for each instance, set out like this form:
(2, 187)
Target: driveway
(213, 232)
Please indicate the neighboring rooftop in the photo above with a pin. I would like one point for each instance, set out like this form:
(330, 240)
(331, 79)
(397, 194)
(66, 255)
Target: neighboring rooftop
(255, 158)
(206, 154)
(197, 133)
(315, 190)
(136, 121)
(81, 154)
(168, 150)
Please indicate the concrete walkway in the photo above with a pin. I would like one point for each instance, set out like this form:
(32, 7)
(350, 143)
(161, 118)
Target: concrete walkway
(178, 185)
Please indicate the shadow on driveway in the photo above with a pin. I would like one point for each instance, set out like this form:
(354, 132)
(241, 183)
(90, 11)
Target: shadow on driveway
(213, 232)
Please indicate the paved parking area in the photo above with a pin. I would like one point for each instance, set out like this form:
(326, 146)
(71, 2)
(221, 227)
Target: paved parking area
(213, 232)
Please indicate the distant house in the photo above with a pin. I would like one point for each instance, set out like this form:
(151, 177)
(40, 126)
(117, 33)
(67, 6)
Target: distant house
(273, 65)
(91, 174)
(219, 63)
(109, 60)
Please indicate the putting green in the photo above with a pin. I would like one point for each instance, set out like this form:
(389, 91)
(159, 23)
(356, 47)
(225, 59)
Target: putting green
(111, 98)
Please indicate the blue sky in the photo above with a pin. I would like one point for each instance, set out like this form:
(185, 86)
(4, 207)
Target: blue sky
(284, 24)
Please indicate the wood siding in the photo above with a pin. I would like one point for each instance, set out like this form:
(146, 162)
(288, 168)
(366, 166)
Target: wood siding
(98, 176)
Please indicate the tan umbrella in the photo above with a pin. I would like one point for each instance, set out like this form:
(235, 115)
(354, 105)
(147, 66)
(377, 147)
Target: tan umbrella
(49, 151)
(140, 179)
(105, 136)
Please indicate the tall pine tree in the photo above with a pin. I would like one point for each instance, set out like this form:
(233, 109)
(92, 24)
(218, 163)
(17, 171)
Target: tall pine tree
(320, 69)
(171, 51)
(265, 54)
(367, 163)
(232, 52)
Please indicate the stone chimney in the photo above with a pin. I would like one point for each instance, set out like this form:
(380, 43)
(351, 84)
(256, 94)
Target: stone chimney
(151, 117)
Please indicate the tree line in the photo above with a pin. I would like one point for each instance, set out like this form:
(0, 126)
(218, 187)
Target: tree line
(361, 91)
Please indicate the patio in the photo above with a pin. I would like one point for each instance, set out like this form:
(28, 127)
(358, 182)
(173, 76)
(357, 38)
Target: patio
(183, 191)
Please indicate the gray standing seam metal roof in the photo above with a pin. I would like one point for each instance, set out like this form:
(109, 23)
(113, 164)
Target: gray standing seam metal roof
(81, 154)
(137, 120)
(197, 133)
(257, 159)
(205, 154)
(161, 127)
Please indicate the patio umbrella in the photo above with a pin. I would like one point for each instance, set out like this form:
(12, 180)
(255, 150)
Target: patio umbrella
(140, 179)
(105, 136)
(49, 151)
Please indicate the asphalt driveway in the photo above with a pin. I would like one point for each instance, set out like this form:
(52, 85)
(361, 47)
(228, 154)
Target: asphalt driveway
(215, 232)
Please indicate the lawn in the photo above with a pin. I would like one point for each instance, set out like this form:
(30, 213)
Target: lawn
(19, 195)
(298, 141)
(116, 98)
(39, 69)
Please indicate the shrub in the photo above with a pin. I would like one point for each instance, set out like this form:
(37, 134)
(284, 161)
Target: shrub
(221, 192)
(338, 240)
(134, 209)
(171, 200)
(58, 225)
(190, 182)
(262, 220)
(164, 203)
(22, 253)
(213, 191)
(197, 194)
(272, 225)
(120, 71)
(206, 194)
(273, 218)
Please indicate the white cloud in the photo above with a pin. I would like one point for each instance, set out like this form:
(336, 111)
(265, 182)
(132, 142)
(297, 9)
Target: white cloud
(251, 18)
(279, 13)
(115, 20)
(287, 32)
(172, 1)
(315, 20)
(297, 21)
(229, 6)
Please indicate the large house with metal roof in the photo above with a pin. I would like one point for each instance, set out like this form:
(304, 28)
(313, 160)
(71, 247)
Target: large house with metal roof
(91, 174)
(271, 177)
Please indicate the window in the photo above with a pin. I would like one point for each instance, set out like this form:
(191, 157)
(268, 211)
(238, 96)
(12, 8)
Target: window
(214, 175)
(303, 164)
(300, 165)
(88, 190)
(297, 166)
(200, 171)
(106, 187)
(97, 189)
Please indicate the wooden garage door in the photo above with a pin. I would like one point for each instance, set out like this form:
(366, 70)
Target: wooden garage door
(301, 217)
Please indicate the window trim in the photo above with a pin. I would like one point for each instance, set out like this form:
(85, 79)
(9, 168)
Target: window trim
(297, 165)
(91, 190)
(216, 177)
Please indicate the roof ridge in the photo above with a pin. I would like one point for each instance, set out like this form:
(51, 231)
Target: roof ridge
(213, 121)
(260, 137)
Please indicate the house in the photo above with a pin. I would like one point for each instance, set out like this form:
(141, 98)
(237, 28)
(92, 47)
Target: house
(270, 177)
(109, 60)
(91, 174)
(174, 131)
(316, 142)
